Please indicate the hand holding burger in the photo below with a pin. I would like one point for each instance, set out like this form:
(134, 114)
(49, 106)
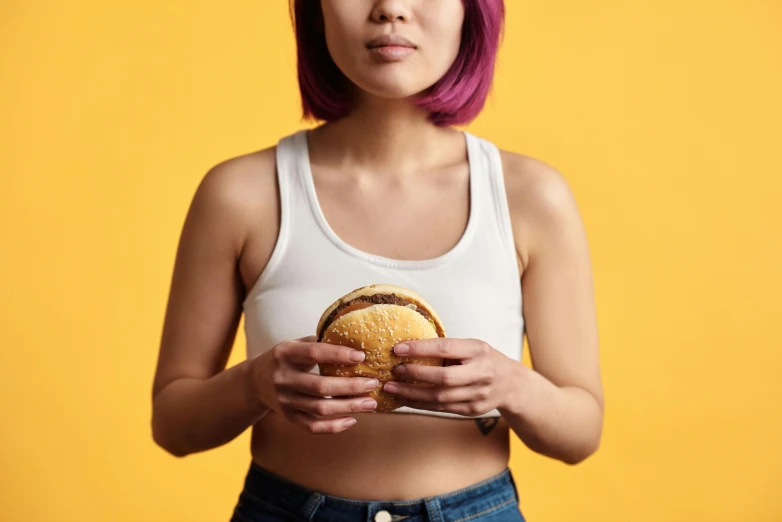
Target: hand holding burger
(373, 319)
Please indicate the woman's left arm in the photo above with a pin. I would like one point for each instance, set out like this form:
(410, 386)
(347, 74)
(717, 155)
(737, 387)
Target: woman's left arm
(555, 407)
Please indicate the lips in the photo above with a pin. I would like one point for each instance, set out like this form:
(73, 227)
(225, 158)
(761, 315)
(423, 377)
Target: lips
(390, 48)
(390, 40)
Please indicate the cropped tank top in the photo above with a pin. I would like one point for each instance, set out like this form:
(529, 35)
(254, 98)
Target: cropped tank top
(475, 287)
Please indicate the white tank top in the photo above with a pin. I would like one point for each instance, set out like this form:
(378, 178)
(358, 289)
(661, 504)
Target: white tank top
(475, 287)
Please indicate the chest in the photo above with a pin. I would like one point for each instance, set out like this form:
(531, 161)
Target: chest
(409, 219)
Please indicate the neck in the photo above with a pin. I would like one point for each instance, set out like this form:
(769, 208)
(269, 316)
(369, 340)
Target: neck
(384, 135)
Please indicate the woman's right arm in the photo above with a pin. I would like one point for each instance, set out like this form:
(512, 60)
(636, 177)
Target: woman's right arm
(198, 404)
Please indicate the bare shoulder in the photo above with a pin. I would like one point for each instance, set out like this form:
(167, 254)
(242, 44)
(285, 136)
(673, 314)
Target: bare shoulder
(237, 204)
(235, 196)
(539, 199)
(241, 185)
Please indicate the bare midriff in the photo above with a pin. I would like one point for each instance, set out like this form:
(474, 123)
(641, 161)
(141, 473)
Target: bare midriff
(385, 456)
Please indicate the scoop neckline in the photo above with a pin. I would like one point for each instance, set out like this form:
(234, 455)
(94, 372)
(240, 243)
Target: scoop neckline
(305, 168)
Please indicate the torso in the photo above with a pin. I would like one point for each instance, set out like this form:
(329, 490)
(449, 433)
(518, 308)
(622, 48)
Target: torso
(400, 443)
(411, 456)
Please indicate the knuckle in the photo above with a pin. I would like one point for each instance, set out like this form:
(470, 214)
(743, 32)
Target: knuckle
(322, 408)
(324, 427)
(313, 351)
(320, 388)
(490, 375)
(474, 408)
(278, 379)
(484, 348)
(483, 394)
(443, 346)
(448, 378)
(440, 396)
(316, 427)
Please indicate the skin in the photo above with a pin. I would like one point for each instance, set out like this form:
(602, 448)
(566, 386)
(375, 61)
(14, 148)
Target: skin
(362, 165)
(432, 26)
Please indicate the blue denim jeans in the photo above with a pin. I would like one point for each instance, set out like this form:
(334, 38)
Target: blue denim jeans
(268, 497)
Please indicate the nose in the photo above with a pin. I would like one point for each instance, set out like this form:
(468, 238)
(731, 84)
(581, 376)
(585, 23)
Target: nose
(390, 11)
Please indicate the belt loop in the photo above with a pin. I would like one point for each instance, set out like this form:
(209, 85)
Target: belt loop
(433, 510)
(312, 505)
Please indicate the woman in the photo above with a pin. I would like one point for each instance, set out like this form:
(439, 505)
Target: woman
(385, 191)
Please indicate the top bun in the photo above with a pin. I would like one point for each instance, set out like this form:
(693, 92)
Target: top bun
(366, 294)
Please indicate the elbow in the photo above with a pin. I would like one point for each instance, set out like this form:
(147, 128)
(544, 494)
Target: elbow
(163, 440)
(580, 454)
(590, 443)
(164, 432)
(578, 457)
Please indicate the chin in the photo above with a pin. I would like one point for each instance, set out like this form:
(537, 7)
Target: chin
(394, 83)
(395, 89)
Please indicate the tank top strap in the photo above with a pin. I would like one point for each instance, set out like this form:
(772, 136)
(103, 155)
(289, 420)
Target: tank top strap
(297, 185)
(291, 199)
(492, 196)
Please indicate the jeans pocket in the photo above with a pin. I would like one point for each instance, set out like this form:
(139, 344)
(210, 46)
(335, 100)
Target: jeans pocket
(507, 511)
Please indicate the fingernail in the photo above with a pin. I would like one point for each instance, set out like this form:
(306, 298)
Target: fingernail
(401, 349)
(348, 423)
(371, 385)
(400, 369)
(391, 387)
(356, 356)
(369, 404)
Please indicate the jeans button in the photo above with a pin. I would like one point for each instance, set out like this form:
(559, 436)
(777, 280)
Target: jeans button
(383, 516)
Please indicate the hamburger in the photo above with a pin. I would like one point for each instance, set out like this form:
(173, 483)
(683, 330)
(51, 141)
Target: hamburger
(373, 319)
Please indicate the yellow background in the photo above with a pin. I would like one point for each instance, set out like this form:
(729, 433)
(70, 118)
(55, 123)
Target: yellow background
(664, 116)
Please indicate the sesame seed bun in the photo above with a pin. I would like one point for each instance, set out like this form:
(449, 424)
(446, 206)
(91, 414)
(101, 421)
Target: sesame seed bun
(375, 329)
(367, 291)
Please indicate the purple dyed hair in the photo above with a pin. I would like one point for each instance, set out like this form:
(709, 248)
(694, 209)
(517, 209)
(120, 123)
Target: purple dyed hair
(455, 99)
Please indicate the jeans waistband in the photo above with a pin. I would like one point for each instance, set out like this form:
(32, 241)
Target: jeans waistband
(302, 502)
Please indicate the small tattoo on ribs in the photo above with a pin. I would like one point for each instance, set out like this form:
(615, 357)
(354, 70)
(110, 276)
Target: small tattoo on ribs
(486, 425)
